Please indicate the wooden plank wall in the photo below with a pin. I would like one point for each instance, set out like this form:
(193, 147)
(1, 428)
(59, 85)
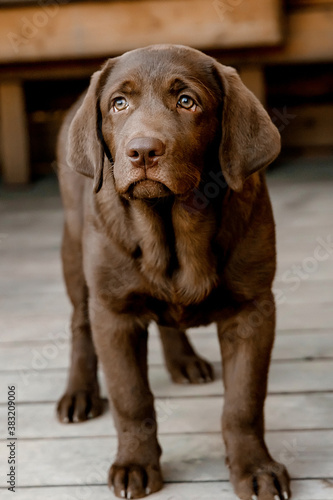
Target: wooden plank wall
(97, 29)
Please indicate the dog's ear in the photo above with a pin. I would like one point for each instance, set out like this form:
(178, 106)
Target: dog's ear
(86, 146)
(250, 141)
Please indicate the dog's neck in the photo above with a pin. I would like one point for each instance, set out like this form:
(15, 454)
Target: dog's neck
(175, 241)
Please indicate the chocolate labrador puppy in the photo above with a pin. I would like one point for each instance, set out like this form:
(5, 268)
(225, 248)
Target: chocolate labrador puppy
(168, 219)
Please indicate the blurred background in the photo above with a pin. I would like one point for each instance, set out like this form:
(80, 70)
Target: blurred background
(49, 48)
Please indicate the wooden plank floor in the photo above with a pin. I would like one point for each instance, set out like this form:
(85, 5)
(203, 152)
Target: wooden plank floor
(60, 462)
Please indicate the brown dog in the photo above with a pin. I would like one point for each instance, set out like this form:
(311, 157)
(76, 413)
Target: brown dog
(170, 222)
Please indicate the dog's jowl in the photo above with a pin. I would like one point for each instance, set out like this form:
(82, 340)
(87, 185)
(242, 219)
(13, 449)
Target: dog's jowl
(168, 219)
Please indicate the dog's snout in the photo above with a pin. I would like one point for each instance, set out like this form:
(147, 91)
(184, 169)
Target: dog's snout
(145, 151)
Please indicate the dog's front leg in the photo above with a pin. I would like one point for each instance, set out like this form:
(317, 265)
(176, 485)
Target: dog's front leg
(246, 340)
(121, 345)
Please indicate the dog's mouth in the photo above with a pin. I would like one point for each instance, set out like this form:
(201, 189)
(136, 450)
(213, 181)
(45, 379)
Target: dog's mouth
(148, 189)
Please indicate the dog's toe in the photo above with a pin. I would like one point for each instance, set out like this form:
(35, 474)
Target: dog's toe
(268, 482)
(79, 406)
(191, 369)
(134, 481)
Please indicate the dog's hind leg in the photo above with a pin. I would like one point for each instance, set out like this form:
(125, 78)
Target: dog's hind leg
(183, 363)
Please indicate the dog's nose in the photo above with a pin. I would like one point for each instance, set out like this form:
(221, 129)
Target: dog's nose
(145, 151)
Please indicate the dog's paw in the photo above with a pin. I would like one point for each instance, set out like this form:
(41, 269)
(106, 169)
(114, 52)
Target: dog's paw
(269, 482)
(135, 481)
(190, 369)
(78, 406)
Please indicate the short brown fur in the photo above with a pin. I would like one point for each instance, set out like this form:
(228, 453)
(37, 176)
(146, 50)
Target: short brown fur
(170, 222)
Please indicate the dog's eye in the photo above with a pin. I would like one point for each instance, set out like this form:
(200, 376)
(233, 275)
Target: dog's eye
(186, 102)
(119, 104)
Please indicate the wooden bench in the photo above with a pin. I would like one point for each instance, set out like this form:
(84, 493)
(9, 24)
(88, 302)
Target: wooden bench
(60, 39)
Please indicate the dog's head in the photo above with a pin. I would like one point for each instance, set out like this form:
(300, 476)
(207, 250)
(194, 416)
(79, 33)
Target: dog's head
(163, 114)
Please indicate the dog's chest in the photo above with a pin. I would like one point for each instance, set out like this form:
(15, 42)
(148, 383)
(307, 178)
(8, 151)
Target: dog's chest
(181, 277)
(176, 257)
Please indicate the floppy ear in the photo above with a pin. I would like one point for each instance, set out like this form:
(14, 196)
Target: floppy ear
(86, 146)
(250, 141)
